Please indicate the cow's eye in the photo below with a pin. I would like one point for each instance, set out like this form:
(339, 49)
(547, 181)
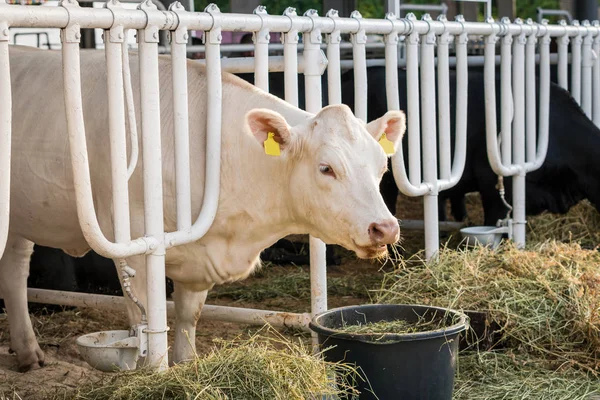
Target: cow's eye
(326, 170)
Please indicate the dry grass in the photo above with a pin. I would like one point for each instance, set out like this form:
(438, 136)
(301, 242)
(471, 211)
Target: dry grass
(505, 375)
(294, 283)
(546, 299)
(581, 224)
(252, 369)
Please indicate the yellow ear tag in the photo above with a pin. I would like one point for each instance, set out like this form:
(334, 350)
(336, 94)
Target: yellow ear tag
(387, 145)
(271, 146)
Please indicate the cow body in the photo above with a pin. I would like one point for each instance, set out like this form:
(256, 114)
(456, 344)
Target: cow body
(323, 184)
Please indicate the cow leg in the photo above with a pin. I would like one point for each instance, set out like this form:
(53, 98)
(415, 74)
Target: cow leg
(138, 287)
(189, 300)
(14, 269)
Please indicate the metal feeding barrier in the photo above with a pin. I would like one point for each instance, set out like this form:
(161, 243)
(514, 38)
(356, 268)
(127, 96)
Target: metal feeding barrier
(523, 147)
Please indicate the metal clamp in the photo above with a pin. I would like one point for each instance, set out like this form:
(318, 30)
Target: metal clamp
(392, 37)
(463, 37)
(315, 32)
(359, 37)
(445, 38)
(334, 37)
(291, 36)
(116, 33)
(180, 35)
(531, 39)
(151, 30)
(577, 38)
(262, 36)
(72, 32)
(213, 36)
(413, 37)
(429, 37)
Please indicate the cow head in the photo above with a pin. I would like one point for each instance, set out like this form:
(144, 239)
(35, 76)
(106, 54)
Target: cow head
(334, 164)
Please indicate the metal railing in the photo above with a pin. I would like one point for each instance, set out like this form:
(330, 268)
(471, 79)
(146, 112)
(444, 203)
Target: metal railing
(425, 143)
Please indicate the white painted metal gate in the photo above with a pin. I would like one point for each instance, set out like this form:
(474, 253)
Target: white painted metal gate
(428, 130)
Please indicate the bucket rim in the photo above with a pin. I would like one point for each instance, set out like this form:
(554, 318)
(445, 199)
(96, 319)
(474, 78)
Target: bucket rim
(390, 338)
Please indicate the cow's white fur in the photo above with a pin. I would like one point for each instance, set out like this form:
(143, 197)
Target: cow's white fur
(263, 198)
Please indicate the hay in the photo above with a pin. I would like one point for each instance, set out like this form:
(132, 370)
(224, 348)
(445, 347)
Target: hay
(295, 285)
(546, 299)
(504, 375)
(425, 323)
(252, 369)
(581, 224)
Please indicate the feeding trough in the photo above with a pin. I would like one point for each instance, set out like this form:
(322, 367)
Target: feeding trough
(417, 364)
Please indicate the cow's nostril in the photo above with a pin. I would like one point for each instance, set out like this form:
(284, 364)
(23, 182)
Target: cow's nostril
(384, 233)
(376, 233)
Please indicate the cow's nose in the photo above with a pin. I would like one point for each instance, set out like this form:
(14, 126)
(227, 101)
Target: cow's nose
(384, 233)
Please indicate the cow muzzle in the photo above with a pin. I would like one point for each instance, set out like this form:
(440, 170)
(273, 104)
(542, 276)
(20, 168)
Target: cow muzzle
(384, 233)
(380, 235)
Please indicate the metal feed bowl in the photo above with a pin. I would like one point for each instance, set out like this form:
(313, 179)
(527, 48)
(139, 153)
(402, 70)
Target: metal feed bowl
(109, 351)
(483, 235)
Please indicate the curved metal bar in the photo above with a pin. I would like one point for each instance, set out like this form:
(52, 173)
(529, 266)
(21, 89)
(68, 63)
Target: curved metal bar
(86, 213)
(5, 135)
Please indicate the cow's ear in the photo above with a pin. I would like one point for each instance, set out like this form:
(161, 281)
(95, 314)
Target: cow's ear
(393, 124)
(263, 123)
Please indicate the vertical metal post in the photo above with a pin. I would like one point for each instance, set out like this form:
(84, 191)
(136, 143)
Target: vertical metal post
(5, 132)
(506, 96)
(334, 72)
(153, 191)
(312, 78)
(596, 77)
(113, 40)
(179, 39)
(587, 63)
(562, 44)
(290, 60)
(359, 56)
(429, 154)
(391, 67)
(412, 99)
(576, 43)
(443, 73)
(518, 71)
(530, 110)
(261, 52)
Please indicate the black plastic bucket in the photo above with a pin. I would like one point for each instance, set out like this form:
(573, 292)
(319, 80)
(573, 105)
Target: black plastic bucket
(407, 366)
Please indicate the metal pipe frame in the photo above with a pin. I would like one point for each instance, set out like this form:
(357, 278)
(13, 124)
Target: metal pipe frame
(596, 78)
(312, 85)
(149, 21)
(290, 61)
(359, 58)
(516, 160)
(425, 129)
(587, 63)
(576, 43)
(5, 133)
(209, 312)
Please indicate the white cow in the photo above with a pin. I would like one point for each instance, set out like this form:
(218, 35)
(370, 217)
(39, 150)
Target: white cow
(325, 183)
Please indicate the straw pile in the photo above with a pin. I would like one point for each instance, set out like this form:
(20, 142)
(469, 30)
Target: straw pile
(504, 375)
(581, 224)
(546, 300)
(257, 368)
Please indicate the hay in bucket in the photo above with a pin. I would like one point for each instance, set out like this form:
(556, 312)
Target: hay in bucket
(581, 224)
(261, 367)
(546, 299)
